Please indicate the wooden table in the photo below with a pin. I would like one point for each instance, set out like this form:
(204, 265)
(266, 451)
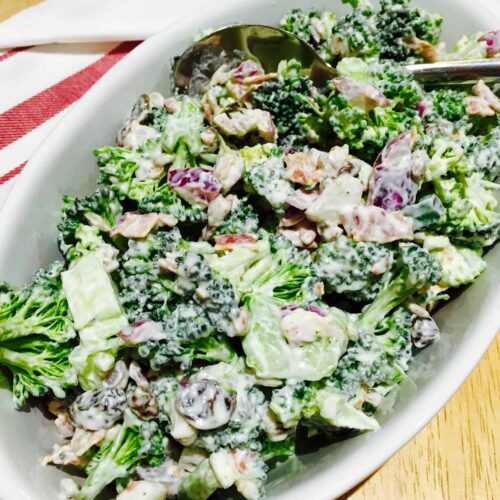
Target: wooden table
(452, 458)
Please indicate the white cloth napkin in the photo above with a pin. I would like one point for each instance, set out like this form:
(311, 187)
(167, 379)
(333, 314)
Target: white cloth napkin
(62, 21)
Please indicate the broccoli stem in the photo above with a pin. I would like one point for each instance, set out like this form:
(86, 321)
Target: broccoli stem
(384, 303)
(200, 484)
(117, 460)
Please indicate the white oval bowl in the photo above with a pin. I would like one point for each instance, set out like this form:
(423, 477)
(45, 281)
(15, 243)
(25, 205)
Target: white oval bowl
(64, 165)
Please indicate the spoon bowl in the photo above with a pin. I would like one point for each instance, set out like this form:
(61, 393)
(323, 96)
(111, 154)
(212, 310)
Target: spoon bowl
(268, 46)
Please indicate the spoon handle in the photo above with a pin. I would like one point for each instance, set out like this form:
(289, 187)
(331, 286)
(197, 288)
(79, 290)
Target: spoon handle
(457, 71)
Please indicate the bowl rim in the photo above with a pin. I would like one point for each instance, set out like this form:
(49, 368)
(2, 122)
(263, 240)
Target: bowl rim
(376, 450)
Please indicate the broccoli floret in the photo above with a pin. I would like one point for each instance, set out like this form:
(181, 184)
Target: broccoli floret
(190, 335)
(398, 23)
(118, 167)
(37, 365)
(83, 221)
(145, 292)
(39, 308)
(482, 154)
(318, 405)
(313, 26)
(292, 102)
(358, 270)
(136, 442)
(263, 175)
(213, 293)
(355, 35)
(376, 360)
(397, 84)
(241, 219)
(36, 329)
(470, 218)
(448, 104)
(367, 132)
(417, 269)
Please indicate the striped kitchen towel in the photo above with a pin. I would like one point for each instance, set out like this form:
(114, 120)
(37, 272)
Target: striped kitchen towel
(38, 86)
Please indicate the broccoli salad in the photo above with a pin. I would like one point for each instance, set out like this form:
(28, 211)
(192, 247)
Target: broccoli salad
(259, 263)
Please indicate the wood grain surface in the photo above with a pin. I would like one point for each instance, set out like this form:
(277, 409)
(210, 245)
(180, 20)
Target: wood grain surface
(10, 7)
(452, 458)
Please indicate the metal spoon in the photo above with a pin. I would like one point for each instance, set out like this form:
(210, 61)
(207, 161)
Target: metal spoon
(268, 46)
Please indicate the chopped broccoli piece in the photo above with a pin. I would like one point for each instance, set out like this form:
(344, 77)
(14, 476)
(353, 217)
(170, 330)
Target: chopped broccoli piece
(312, 26)
(417, 269)
(367, 132)
(359, 270)
(119, 455)
(398, 23)
(190, 335)
(482, 154)
(241, 219)
(118, 167)
(317, 405)
(470, 218)
(36, 329)
(264, 176)
(355, 35)
(447, 103)
(293, 106)
(376, 360)
(146, 292)
(83, 221)
(39, 308)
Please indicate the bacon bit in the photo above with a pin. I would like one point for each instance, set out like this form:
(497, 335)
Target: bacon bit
(300, 169)
(374, 224)
(258, 79)
(240, 123)
(169, 263)
(365, 96)
(230, 241)
(72, 453)
(63, 421)
(421, 48)
(134, 225)
(482, 90)
(142, 331)
(333, 163)
(478, 106)
(229, 169)
(301, 199)
(172, 105)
